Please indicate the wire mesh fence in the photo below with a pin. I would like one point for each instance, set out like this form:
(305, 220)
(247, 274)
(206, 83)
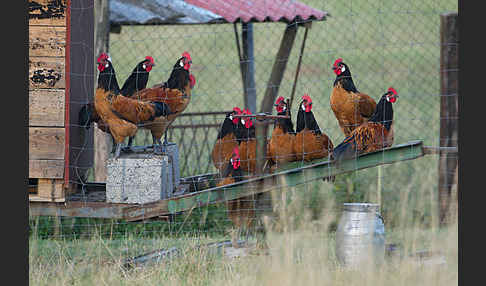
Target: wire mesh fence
(384, 43)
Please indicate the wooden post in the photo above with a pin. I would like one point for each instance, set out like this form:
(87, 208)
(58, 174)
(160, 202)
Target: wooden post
(247, 64)
(102, 141)
(278, 68)
(449, 71)
(249, 67)
(261, 145)
(297, 72)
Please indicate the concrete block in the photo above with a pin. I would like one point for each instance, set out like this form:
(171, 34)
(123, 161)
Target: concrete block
(142, 177)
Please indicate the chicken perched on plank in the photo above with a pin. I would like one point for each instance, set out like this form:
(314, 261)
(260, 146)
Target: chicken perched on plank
(281, 145)
(226, 140)
(121, 113)
(240, 211)
(351, 107)
(373, 135)
(136, 81)
(245, 135)
(176, 93)
(310, 142)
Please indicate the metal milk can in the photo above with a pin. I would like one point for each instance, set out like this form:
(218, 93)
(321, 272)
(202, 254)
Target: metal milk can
(360, 235)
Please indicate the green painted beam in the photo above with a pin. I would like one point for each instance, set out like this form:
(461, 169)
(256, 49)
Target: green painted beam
(292, 174)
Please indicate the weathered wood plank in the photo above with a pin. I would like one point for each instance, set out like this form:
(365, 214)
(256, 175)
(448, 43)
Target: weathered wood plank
(53, 169)
(50, 189)
(36, 198)
(46, 143)
(292, 174)
(47, 12)
(77, 209)
(46, 107)
(47, 41)
(449, 114)
(46, 72)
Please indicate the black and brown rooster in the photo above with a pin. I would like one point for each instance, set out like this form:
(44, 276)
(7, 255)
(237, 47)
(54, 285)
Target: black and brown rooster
(373, 135)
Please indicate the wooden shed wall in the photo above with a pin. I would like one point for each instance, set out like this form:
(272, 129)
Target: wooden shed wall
(61, 81)
(47, 88)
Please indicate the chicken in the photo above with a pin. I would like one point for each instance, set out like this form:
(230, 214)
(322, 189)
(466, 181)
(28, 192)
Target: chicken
(310, 142)
(136, 81)
(372, 135)
(281, 145)
(176, 93)
(240, 211)
(245, 135)
(351, 107)
(226, 140)
(121, 113)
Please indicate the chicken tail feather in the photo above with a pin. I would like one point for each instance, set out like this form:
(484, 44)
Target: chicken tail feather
(345, 150)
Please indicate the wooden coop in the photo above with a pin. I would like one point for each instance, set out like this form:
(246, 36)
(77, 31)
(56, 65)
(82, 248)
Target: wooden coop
(56, 85)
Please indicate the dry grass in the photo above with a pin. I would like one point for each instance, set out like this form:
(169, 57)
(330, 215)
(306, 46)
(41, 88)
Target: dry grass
(301, 252)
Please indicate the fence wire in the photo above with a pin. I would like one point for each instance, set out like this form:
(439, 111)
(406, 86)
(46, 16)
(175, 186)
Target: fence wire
(384, 43)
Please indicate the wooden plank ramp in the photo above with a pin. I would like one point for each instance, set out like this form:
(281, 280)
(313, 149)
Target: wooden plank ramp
(292, 174)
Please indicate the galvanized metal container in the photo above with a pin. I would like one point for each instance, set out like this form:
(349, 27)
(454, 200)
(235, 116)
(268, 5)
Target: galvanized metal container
(360, 235)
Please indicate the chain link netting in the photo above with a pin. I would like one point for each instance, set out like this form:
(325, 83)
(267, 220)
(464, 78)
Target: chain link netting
(384, 43)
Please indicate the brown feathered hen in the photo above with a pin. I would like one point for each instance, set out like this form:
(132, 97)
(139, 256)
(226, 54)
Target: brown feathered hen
(175, 93)
(373, 135)
(310, 142)
(351, 107)
(226, 141)
(120, 113)
(245, 134)
(240, 211)
(281, 144)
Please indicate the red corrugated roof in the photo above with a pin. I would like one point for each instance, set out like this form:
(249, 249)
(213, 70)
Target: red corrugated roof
(260, 10)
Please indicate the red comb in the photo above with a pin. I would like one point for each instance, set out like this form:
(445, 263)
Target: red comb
(236, 155)
(248, 120)
(392, 90)
(279, 99)
(103, 56)
(340, 60)
(237, 109)
(150, 59)
(186, 55)
(307, 98)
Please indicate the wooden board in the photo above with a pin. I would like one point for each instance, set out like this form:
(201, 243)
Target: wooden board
(46, 143)
(47, 12)
(46, 72)
(36, 198)
(47, 41)
(291, 174)
(53, 169)
(50, 188)
(46, 107)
